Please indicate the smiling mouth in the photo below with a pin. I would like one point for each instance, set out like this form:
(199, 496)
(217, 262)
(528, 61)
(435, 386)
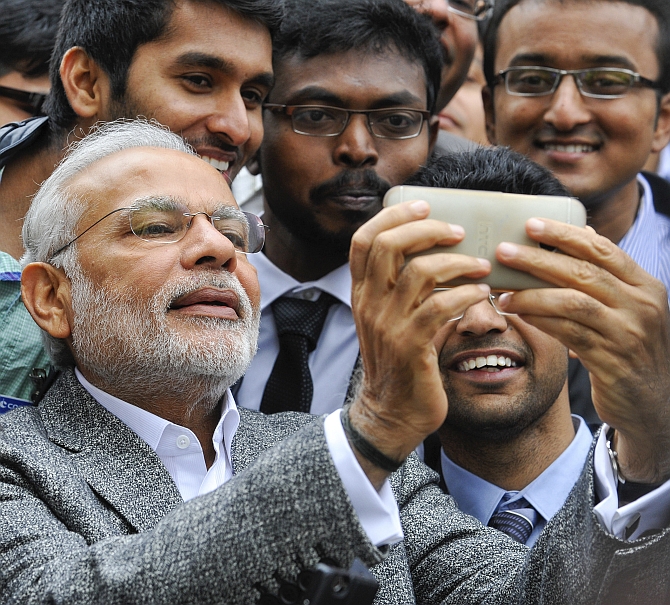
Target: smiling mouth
(489, 363)
(218, 164)
(572, 148)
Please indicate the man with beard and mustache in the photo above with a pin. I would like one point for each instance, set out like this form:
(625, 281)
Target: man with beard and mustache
(352, 113)
(201, 67)
(509, 442)
(136, 260)
(590, 109)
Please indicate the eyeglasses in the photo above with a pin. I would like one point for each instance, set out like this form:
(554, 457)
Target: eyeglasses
(477, 10)
(597, 82)
(324, 121)
(161, 225)
(493, 299)
(31, 101)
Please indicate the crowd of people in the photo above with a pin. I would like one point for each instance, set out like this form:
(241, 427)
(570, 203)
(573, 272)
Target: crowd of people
(225, 366)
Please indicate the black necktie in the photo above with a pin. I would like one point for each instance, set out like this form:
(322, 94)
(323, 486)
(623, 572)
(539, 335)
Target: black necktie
(299, 323)
(516, 519)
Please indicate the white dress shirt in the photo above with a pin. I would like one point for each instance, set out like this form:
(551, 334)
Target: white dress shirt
(332, 361)
(181, 453)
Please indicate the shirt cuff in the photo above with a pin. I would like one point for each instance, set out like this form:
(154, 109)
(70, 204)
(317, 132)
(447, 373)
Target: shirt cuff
(377, 510)
(651, 512)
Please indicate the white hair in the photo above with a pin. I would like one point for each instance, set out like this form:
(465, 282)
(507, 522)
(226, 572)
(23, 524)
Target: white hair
(55, 210)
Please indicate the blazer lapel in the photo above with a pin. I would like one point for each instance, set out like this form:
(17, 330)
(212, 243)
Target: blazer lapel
(121, 468)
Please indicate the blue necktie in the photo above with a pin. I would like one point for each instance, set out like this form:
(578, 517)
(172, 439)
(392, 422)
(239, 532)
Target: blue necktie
(516, 519)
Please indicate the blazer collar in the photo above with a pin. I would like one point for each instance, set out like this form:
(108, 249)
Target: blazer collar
(121, 468)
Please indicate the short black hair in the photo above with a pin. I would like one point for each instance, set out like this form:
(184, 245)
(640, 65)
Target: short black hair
(488, 169)
(323, 27)
(27, 35)
(659, 8)
(110, 31)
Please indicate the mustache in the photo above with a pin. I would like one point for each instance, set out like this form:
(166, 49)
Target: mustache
(212, 141)
(172, 291)
(367, 182)
(488, 341)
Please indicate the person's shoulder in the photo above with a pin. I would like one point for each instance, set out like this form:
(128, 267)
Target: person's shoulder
(16, 136)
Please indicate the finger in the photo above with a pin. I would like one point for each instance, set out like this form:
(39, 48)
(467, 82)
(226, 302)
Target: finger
(420, 276)
(587, 245)
(388, 218)
(389, 250)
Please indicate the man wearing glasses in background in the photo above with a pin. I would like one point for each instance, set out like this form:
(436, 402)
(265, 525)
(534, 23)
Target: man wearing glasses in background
(27, 35)
(352, 113)
(590, 108)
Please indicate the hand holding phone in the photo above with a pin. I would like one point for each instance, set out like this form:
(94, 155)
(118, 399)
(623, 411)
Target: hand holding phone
(491, 217)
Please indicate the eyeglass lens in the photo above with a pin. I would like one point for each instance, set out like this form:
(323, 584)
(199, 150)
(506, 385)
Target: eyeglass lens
(167, 226)
(330, 121)
(474, 9)
(32, 101)
(601, 82)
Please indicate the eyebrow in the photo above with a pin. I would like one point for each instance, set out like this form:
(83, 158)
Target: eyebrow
(592, 60)
(323, 95)
(197, 59)
(168, 202)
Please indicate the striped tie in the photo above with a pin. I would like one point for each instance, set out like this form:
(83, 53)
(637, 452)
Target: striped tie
(516, 519)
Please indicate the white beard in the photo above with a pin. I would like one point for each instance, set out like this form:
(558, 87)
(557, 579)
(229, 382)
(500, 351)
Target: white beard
(129, 346)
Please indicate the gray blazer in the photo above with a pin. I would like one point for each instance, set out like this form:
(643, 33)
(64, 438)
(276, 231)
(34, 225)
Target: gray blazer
(89, 515)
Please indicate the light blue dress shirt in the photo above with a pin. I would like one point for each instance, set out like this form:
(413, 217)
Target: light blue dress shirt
(547, 493)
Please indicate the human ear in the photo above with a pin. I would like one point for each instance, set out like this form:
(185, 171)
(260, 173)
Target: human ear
(86, 84)
(662, 130)
(487, 99)
(45, 291)
(433, 130)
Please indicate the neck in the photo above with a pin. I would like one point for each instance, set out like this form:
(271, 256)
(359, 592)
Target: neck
(612, 216)
(304, 260)
(515, 463)
(164, 397)
(20, 181)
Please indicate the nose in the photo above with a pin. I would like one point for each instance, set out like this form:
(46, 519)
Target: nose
(205, 247)
(356, 147)
(480, 319)
(231, 121)
(567, 109)
(438, 10)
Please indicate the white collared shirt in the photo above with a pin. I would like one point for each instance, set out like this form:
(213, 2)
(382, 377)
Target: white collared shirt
(333, 360)
(181, 453)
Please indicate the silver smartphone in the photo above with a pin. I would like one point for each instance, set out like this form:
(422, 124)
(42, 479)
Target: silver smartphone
(489, 218)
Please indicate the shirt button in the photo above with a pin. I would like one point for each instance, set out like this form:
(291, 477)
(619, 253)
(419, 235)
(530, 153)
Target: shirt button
(183, 442)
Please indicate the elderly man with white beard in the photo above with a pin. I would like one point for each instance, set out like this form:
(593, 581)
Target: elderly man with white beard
(138, 480)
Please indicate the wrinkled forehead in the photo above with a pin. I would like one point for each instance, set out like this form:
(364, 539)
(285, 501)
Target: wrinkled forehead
(121, 178)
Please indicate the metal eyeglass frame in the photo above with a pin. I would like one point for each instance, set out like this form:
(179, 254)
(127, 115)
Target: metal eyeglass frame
(289, 110)
(638, 80)
(211, 218)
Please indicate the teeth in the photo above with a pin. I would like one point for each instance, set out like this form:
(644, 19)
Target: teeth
(490, 363)
(570, 148)
(222, 166)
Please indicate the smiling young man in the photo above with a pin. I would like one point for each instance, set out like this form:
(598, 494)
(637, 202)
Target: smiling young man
(351, 114)
(595, 128)
(201, 67)
(509, 441)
